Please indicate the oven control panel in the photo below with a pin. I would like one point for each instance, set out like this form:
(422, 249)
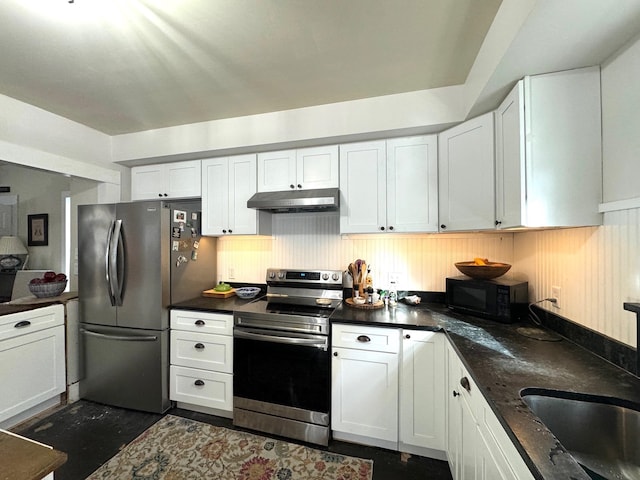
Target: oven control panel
(329, 277)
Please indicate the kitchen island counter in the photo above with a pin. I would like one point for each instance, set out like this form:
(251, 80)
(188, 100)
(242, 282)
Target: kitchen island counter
(502, 362)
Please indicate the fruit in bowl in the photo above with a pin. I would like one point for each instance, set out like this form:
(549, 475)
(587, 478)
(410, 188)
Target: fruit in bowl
(51, 284)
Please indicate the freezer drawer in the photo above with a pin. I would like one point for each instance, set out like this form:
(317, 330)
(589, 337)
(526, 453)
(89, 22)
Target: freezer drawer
(125, 367)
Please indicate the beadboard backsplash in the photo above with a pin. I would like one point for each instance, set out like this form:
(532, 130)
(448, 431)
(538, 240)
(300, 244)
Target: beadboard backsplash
(596, 268)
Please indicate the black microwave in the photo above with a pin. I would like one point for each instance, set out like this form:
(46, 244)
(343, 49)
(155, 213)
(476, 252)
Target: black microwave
(502, 300)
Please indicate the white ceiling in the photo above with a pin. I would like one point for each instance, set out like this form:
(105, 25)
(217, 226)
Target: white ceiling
(122, 66)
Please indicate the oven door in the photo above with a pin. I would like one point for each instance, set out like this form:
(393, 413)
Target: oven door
(282, 368)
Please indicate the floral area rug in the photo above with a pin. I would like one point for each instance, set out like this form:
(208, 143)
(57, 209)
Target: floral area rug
(177, 448)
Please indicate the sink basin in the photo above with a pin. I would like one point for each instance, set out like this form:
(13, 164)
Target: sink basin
(601, 433)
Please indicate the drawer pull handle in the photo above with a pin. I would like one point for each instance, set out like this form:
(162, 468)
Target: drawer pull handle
(363, 338)
(455, 394)
(23, 323)
(464, 382)
(199, 323)
(198, 383)
(199, 346)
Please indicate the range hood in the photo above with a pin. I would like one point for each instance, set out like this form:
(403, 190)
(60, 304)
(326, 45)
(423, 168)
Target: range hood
(288, 201)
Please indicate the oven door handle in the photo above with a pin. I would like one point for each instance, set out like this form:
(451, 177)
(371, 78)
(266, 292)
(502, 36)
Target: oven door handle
(308, 342)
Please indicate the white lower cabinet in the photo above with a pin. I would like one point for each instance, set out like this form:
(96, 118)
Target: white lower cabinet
(387, 395)
(478, 447)
(201, 371)
(32, 355)
(422, 425)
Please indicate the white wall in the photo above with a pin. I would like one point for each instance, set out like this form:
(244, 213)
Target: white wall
(38, 192)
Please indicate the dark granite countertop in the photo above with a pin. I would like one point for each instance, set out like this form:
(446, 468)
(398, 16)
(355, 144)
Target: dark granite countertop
(502, 362)
(209, 304)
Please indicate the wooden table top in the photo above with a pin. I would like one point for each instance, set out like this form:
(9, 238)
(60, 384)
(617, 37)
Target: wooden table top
(24, 459)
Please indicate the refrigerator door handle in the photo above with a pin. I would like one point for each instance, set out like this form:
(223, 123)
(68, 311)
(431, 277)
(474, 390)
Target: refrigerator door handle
(125, 338)
(107, 267)
(116, 264)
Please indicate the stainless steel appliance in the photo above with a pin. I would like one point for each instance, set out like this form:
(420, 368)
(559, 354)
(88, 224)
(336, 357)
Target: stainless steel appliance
(134, 260)
(498, 299)
(281, 363)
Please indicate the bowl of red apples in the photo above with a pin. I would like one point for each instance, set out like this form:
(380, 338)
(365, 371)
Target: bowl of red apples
(51, 284)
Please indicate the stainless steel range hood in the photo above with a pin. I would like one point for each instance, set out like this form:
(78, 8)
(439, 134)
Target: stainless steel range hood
(318, 200)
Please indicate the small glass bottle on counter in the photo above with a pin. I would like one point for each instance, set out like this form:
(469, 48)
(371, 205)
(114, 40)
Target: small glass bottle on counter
(393, 295)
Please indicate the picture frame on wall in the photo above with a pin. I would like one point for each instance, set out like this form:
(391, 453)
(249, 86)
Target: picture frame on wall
(38, 230)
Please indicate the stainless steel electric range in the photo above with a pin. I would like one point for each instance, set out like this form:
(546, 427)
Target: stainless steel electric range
(282, 375)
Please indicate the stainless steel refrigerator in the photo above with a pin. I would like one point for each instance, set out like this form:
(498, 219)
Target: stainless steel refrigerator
(134, 260)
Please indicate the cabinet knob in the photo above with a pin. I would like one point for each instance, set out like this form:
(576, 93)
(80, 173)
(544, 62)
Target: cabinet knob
(292, 186)
(443, 226)
(498, 223)
(199, 346)
(363, 339)
(224, 231)
(335, 354)
(199, 323)
(464, 382)
(159, 194)
(456, 394)
(165, 195)
(230, 231)
(299, 186)
(198, 383)
(390, 227)
(382, 229)
(407, 336)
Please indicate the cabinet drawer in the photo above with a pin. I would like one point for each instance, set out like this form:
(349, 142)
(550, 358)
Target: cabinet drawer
(31, 321)
(204, 322)
(201, 387)
(202, 350)
(366, 338)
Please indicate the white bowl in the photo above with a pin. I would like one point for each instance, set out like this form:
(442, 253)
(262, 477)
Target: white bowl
(359, 300)
(247, 292)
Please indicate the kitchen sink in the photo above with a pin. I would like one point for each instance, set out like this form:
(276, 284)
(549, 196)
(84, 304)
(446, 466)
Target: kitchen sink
(601, 433)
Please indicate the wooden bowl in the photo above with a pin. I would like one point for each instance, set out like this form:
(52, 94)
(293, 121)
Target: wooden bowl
(483, 272)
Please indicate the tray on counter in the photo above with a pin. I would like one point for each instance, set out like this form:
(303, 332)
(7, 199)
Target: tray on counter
(212, 293)
(364, 306)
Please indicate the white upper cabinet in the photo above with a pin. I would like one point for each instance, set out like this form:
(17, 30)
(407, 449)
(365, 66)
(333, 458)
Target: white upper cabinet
(227, 184)
(548, 151)
(301, 169)
(466, 176)
(166, 180)
(389, 186)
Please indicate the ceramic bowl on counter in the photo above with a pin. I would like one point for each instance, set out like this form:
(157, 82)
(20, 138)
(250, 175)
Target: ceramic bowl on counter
(247, 292)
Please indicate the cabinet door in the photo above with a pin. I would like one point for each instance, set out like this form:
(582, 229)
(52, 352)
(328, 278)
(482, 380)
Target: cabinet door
(466, 176)
(364, 393)
(242, 185)
(412, 184)
(317, 167)
(33, 370)
(422, 390)
(510, 160)
(277, 171)
(363, 183)
(182, 179)
(215, 196)
(147, 182)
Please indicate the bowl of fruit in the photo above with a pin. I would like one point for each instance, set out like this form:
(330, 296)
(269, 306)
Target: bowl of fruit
(51, 284)
(483, 269)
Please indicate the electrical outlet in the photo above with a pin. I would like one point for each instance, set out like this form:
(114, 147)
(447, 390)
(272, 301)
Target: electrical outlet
(232, 273)
(395, 277)
(555, 293)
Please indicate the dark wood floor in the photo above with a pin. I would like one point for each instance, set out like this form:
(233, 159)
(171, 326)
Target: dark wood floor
(91, 434)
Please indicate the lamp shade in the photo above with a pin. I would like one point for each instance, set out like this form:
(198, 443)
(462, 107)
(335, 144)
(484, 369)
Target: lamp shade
(10, 245)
